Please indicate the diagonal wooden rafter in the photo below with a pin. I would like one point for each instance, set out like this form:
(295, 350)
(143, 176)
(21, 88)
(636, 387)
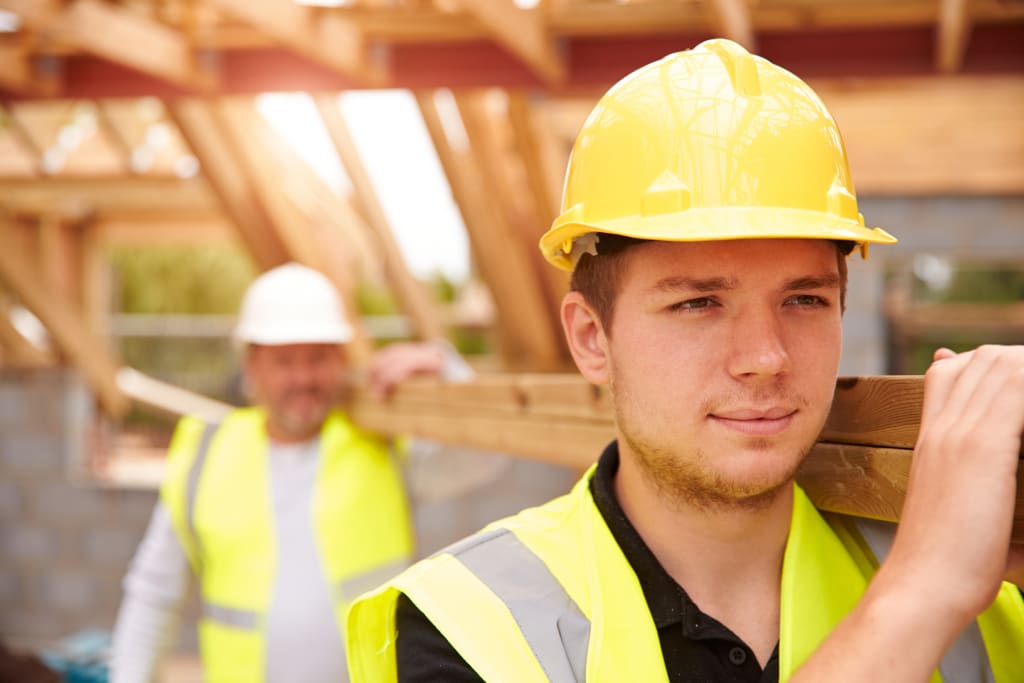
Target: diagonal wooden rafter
(205, 132)
(17, 350)
(322, 36)
(952, 35)
(528, 338)
(732, 19)
(66, 325)
(522, 32)
(409, 292)
(491, 140)
(119, 35)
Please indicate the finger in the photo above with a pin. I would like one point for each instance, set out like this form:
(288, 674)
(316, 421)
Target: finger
(939, 381)
(942, 353)
(970, 392)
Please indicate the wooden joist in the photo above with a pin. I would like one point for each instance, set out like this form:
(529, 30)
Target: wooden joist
(205, 131)
(860, 465)
(411, 294)
(65, 323)
(119, 35)
(522, 32)
(327, 38)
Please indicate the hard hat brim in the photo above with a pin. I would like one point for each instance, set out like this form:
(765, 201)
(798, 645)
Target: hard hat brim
(714, 224)
(294, 335)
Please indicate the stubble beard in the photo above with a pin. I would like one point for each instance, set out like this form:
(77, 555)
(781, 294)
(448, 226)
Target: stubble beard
(684, 476)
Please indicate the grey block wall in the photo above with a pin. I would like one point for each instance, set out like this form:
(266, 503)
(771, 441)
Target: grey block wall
(64, 542)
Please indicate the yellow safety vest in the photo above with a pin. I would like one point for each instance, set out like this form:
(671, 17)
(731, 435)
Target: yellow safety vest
(218, 494)
(547, 595)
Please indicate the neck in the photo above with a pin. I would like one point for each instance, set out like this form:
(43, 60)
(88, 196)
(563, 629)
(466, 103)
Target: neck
(727, 558)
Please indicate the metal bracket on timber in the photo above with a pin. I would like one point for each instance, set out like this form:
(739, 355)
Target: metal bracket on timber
(860, 465)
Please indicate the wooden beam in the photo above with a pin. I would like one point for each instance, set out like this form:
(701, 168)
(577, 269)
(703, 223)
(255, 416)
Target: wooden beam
(205, 132)
(732, 18)
(533, 143)
(522, 32)
(167, 398)
(922, 136)
(410, 293)
(199, 228)
(18, 73)
(859, 467)
(525, 329)
(17, 350)
(65, 324)
(117, 34)
(324, 37)
(81, 196)
(515, 229)
(952, 35)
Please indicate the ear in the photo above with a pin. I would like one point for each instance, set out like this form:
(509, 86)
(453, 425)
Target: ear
(586, 337)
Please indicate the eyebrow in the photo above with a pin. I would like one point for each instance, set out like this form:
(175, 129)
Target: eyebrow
(812, 282)
(719, 284)
(694, 284)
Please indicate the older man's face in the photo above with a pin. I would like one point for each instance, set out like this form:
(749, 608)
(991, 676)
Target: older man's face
(298, 384)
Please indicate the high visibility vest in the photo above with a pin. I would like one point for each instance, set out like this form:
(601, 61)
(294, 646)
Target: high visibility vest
(217, 491)
(547, 595)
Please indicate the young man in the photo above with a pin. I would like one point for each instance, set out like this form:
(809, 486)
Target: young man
(707, 214)
(284, 512)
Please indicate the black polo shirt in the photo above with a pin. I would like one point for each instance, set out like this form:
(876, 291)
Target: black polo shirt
(696, 647)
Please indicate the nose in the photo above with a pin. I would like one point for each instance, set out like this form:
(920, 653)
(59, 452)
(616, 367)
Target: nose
(757, 346)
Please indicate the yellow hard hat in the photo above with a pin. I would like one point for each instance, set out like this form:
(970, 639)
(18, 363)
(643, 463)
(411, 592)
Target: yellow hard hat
(713, 143)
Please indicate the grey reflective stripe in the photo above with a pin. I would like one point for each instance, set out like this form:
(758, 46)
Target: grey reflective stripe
(192, 486)
(551, 622)
(230, 616)
(351, 588)
(966, 660)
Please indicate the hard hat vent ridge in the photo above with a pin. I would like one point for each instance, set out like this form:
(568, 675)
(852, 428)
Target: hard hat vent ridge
(667, 194)
(740, 64)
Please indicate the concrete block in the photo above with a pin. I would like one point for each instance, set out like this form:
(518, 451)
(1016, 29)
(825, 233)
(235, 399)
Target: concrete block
(65, 505)
(12, 404)
(110, 548)
(10, 502)
(33, 455)
(69, 590)
(11, 589)
(130, 509)
(28, 544)
(38, 624)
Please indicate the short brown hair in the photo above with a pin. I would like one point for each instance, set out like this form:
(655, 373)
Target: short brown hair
(597, 277)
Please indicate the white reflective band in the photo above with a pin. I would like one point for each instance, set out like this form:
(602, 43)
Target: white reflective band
(551, 622)
(231, 616)
(966, 660)
(349, 589)
(192, 485)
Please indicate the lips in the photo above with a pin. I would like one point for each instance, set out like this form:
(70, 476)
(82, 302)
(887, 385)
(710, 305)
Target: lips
(755, 421)
(772, 413)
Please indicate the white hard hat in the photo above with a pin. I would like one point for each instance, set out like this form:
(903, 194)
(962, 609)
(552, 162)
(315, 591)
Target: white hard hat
(292, 304)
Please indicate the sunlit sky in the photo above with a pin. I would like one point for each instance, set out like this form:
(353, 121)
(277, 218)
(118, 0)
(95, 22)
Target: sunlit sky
(399, 157)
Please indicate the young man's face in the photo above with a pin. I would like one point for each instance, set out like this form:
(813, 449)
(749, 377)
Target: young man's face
(298, 384)
(722, 358)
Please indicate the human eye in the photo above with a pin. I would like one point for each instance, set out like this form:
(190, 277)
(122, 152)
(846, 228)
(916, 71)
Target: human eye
(698, 304)
(808, 301)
